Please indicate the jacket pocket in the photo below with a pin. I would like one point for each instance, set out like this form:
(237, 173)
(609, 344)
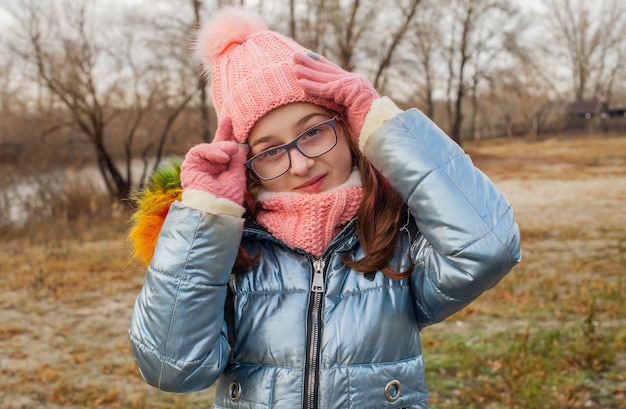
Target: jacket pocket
(388, 385)
(254, 387)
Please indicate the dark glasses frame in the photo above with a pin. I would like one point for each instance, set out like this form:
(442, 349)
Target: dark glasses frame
(294, 144)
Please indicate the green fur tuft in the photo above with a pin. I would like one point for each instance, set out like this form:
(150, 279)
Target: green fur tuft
(166, 177)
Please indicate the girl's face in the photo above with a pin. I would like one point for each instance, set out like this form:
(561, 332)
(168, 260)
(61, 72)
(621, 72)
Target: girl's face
(305, 175)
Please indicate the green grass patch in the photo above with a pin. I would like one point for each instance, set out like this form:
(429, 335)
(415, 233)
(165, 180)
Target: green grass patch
(571, 364)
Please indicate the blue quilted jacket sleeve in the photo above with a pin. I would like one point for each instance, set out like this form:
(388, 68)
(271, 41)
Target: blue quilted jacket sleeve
(178, 333)
(468, 239)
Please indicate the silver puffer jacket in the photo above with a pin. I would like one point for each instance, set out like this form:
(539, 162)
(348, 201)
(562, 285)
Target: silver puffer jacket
(300, 332)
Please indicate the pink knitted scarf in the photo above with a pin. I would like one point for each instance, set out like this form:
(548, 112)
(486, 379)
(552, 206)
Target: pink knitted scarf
(310, 222)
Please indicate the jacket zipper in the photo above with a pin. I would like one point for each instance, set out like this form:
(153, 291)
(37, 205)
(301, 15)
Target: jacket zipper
(314, 325)
(313, 328)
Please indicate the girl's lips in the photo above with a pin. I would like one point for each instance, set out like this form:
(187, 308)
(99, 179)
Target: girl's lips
(312, 185)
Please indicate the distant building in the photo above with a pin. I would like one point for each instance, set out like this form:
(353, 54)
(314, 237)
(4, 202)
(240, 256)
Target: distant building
(586, 116)
(617, 113)
(587, 109)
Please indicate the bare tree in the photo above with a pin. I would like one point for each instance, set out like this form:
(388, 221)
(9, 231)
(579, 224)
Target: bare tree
(356, 34)
(348, 31)
(293, 33)
(101, 84)
(13, 105)
(588, 39)
(67, 69)
(521, 92)
(398, 34)
(475, 36)
(423, 54)
(304, 20)
(202, 85)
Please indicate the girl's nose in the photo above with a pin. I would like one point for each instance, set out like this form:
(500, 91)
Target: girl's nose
(300, 164)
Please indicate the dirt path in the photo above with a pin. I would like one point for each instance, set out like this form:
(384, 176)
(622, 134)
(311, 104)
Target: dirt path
(558, 203)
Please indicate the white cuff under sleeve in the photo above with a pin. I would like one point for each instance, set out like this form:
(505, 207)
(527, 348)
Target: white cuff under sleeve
(208, 202)
(381, 110)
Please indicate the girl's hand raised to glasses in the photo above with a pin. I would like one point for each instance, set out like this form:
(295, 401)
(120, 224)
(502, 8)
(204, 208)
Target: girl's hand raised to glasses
(217, 168)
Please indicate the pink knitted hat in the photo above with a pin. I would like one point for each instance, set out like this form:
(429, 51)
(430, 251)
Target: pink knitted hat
(251, 68)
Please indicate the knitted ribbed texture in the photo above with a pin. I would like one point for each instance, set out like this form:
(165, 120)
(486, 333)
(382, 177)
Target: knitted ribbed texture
(252, 68)
(309, 222)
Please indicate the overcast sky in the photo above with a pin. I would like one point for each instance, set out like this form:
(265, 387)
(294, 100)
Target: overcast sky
(108, 5)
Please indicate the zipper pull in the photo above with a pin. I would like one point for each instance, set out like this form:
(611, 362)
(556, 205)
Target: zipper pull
(318, 276)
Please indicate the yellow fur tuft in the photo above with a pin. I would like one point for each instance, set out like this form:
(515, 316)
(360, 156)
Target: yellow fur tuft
(152, 205)
(147, 221)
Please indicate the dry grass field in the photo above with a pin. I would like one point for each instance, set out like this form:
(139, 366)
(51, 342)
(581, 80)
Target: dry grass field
(552, 334)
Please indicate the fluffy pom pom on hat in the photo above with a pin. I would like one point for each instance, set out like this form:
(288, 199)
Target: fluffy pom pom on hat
(251, 69)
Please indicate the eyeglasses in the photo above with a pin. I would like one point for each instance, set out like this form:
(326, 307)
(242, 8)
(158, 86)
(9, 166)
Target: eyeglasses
(276, 161)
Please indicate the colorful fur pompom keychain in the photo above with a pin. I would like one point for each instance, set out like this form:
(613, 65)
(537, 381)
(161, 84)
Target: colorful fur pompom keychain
(152, 205)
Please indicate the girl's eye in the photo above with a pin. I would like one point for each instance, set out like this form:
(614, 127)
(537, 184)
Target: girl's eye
(311, 133)
(271, 154)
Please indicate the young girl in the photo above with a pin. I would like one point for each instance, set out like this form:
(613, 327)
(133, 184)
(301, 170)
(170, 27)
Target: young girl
(315, 237)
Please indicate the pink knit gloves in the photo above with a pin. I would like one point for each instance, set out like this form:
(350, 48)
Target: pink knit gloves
(216, 167)
(324, 79)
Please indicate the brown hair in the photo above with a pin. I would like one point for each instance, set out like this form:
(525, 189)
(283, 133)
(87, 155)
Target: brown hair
(378, 222)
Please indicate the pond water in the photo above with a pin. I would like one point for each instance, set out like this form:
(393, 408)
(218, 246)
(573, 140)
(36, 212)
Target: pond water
(22, 197)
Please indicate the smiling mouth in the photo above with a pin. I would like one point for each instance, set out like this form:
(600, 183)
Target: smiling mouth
(312, 184)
